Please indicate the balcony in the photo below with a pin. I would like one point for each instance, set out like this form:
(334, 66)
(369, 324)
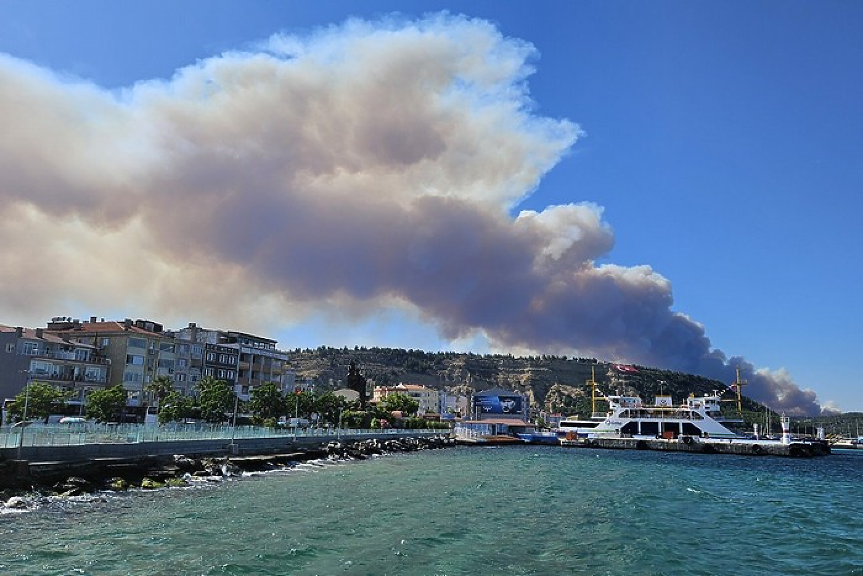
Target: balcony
(59, 377)
(70, 356)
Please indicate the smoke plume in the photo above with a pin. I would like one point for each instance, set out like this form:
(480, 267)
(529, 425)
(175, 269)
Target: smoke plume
(367, 167)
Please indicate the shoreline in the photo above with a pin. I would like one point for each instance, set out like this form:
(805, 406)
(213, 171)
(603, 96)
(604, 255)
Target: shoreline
(22, 480)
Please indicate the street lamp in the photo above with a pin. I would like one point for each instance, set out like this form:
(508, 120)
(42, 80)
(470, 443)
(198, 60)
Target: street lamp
(24, 415)
(234, 425)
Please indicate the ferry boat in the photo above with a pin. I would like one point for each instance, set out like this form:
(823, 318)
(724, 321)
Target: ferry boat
(629, 416)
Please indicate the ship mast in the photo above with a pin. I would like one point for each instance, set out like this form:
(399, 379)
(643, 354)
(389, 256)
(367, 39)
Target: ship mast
(738, 385)
(592, 383)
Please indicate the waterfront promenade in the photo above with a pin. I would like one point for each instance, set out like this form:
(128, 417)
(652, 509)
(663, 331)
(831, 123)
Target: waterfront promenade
(89, 441)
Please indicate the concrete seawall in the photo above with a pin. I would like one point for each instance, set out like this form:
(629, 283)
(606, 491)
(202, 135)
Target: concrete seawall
(95, 463)
(200, 447)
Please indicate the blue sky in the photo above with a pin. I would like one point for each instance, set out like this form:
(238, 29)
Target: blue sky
(722, 141)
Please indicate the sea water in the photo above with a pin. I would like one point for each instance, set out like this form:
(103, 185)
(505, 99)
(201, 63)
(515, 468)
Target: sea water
(503, 510)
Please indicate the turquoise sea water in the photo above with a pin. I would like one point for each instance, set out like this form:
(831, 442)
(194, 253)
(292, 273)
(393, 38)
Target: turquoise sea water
(504, 510)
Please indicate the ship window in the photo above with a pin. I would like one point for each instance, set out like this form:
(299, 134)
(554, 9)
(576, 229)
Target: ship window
(691, 429)
(650, 428)
(630, 428)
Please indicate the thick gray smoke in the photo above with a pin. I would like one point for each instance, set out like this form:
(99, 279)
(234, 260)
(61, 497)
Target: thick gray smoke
(372, 166)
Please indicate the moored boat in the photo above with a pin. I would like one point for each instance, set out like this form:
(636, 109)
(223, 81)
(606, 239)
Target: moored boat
(691, 426)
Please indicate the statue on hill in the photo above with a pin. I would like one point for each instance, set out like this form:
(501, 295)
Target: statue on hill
(357, 382)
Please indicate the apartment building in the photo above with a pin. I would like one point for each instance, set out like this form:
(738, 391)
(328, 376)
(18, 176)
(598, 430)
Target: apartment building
(137, 352)
(82, 356)
(41, 356)
(243, 360)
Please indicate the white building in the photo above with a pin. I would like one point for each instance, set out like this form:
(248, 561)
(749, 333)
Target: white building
(428, 398)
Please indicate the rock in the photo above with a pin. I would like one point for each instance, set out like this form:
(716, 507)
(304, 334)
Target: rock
(229, 469)
(185, 463)
(74, 486)
(17, 502)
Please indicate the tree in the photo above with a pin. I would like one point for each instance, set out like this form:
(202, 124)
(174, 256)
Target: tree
(301, 404)
(267, 402)
(329, 407)
(176, 407)
(40, 399)
(161, 387)
(106, 405)
(215, 399)
(400, 402)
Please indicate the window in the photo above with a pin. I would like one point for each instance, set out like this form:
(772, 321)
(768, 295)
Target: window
(10, 347)
(197, 350)
(106, 341)
(166, 363)
(137, 343)
(180, 378)
(211, 356)
(31, 348)
(134, 360)
(166, 347)
(93, 374)
(41, 369)
(131, 377)
(82, 355)
(182, 362)
(184, 348)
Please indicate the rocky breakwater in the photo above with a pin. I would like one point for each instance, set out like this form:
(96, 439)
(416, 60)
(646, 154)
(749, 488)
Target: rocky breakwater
(362, 449)
(24, 484)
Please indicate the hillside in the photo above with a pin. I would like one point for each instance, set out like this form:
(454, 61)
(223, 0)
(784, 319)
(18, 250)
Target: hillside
(552, 383)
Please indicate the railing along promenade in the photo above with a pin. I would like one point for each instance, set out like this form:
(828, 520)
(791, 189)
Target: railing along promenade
(82, 434)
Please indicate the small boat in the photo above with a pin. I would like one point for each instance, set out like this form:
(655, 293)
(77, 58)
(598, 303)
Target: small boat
(539, 437)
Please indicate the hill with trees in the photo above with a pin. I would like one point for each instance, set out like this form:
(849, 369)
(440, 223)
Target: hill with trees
(552, 383)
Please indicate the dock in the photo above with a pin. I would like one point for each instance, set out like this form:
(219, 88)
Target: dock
(695, 444)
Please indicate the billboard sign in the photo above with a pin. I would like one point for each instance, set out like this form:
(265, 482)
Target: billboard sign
(509, 405)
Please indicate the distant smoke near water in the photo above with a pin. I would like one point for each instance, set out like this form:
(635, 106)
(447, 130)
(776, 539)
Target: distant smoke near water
(368, 167)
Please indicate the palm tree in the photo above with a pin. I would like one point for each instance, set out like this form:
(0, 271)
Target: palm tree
(161, 387)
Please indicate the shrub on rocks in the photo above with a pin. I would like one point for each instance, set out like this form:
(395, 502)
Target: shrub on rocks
(117, 484)
(150, 484)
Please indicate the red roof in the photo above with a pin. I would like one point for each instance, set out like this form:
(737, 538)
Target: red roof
(111, 327)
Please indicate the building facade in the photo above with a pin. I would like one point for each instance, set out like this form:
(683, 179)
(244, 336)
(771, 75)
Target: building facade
(36, 355)
(136, 351)
(81, 356)
(428, 398)
(244, 361)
